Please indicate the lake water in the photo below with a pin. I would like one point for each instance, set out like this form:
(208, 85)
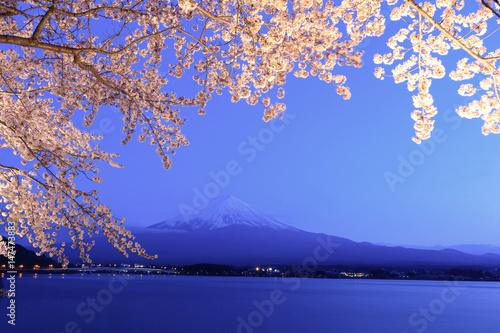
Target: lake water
(107, 303)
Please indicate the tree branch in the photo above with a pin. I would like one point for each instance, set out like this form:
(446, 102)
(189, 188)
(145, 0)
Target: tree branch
(450, 36)
(26, 91)
(13, 11)
(29, 42)
(98, 9)
(22, 41)
(212, 16)
(44, 20)
(487, 5)
(97, 75)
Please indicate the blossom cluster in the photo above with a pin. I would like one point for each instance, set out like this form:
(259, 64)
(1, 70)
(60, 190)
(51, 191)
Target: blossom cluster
(430, 31)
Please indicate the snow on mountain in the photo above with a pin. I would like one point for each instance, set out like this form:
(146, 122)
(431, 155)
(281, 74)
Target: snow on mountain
(221, 212)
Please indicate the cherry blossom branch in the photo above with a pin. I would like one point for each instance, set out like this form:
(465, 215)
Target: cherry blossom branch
(99, 9)
(29, 42)
(97, 75)
(29, 91)
(43, 21)
(210, 50)
(14, 11)
(221, 19)
(450, 36)
(487, 5)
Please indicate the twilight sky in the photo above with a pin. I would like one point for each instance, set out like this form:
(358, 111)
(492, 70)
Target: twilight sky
(333, 166)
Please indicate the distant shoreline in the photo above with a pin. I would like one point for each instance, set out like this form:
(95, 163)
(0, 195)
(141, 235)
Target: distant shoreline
(222, 270)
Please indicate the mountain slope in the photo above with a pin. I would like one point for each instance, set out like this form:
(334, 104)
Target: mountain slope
(229, 231)
(244, 245)
(477, 249)
(25, 257)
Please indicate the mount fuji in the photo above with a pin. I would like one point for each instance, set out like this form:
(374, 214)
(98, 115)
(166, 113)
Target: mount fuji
(221, 212)
(229, 231)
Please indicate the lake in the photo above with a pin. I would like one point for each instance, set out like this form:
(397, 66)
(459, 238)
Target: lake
(120, 303)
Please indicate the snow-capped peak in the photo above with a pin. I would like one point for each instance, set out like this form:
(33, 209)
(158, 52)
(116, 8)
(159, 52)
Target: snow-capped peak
(221, 212)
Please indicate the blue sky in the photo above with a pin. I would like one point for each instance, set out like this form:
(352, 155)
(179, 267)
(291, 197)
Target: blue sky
(325, 168)
(338, 167)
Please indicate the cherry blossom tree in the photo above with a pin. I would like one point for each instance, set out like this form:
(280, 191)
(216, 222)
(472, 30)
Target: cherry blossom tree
(64, 61)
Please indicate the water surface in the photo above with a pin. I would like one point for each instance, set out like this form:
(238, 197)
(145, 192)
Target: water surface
(108, 303)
